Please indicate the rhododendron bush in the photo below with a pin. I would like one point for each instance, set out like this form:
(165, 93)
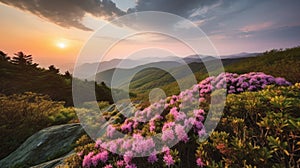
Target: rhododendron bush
(172, 132)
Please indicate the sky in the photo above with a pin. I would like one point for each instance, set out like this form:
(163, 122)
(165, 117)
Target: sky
(58, 31)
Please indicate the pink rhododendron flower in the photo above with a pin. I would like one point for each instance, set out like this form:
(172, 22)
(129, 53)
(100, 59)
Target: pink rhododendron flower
(201, 99)
(181, 134)
(110, 131)
(201, 133)
(168, 159)
(102, 156)
(152, 126)
(166, 149)
(174, 112)
(120, 163)
(167, 135)
(126, 145)
(87, 160)
(152, 158)
(128, 157)
(108, 166)
(112, 146)
(199, 162)
(98, 143)
(168, 125)
(127, 126)
(80, 153)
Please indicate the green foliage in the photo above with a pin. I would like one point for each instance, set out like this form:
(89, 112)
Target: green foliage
(82, 146)
(22, 115)
(258, 129)
(283, 63)
(21, 75)
(64, 115)
(278, 63)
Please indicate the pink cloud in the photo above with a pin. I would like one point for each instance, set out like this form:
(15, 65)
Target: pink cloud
(257, 27)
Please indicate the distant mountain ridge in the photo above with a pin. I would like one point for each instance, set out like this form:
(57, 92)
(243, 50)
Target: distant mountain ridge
(87, 70)
(277, 63)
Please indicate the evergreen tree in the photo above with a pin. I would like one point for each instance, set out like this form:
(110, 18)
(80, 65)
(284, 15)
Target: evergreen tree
(21, 59)
(4, 57)
(53, 69)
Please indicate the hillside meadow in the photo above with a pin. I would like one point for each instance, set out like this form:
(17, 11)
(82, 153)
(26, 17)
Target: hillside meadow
(259, 126)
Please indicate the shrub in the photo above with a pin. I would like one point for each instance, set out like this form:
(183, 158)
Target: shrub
(21, 115)
(231, 138)
(258, 129)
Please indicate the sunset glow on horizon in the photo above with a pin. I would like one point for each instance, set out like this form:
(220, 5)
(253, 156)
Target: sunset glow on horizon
(58, 40)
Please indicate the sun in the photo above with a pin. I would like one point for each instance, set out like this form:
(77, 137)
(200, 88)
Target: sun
(61, 45)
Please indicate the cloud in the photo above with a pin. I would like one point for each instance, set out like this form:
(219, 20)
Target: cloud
(67, 13)
(257, 27)
(179, 7)
(206, 14)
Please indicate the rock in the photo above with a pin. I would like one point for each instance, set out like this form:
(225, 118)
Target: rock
(54, 163)
(49, 144)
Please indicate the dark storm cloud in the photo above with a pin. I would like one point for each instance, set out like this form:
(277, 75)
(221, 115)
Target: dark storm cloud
(67, 13)
(182, 8)
(206, 12)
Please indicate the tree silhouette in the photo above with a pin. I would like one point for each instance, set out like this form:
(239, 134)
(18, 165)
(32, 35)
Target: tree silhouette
(4, 57)
(53, 69)
(68, 75)
(21, 59)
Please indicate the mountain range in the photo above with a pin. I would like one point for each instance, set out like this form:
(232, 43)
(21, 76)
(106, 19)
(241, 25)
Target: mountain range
(87, 70)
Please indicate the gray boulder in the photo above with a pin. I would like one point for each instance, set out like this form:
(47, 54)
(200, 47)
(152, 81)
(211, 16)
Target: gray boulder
(46, 145)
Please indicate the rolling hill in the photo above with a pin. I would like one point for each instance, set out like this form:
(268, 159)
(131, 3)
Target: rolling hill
(284, 63)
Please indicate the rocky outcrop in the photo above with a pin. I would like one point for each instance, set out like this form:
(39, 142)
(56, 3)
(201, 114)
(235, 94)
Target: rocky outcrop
(48, 145)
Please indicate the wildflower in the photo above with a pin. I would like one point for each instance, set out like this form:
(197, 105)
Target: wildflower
(172, 101)
(201, 133)
(167, 135)
(135, 124)
(110, 131)
(113, 147)
(200, 162)
(252, 88)
(168, 159)
(198, 125)
(240, 89)
(87, 160)
(127, 126)
(152, 158)
(128, 157)
(201, 99)
(166, 149)
(166, 106)
(120, 163)
(108, 166)
(168, 125)
(181, 134)
(189, 122)
(98, 143)
(181, 116)
(151, 126)
(126, 145)
(281, 81)
(80, 153)
(231, 91)
(199, 113)
(103, 156)
(174, 112)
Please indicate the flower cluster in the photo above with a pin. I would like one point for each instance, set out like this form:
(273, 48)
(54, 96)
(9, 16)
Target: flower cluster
(172, 119)
(235, 83)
